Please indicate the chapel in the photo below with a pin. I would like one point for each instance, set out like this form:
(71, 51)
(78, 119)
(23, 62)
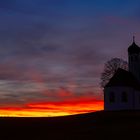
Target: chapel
(122, 92)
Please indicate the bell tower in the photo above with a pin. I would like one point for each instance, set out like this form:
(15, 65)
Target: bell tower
(134, 59)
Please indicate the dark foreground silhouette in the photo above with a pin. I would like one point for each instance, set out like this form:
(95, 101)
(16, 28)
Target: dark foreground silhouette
(91, 126)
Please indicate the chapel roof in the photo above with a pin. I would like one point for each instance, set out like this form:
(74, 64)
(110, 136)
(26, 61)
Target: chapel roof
(123, 78)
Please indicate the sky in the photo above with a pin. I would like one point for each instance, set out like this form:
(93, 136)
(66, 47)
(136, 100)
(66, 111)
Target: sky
(52, 52)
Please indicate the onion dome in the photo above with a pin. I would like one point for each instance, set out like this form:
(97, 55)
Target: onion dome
(134, 48)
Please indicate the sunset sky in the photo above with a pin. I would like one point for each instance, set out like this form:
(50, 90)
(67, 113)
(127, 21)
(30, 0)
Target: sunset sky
(52, 52)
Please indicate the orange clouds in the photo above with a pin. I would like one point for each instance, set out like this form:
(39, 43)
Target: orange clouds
(54, 108)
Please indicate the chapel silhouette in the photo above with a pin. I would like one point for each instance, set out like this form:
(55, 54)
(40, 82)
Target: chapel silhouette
(122, 92)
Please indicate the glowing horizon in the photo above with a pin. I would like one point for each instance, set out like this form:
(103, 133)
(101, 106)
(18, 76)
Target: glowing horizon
(52, 109)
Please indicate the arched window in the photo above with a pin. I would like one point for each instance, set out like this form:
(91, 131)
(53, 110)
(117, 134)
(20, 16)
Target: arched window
(124, 97)
(139, 99)
(112, 97)
(131, 58)
(135, 58)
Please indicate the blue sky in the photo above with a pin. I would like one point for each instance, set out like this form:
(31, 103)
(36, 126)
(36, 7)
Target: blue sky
(61, 44)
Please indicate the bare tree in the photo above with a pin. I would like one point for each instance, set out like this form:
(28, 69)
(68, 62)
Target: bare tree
(110, 69)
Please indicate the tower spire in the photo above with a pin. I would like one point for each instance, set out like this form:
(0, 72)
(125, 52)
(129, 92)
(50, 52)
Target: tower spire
(133, 39)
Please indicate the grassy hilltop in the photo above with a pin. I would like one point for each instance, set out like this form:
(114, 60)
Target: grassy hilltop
(91, 126)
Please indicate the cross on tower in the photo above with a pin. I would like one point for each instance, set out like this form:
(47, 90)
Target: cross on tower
(133, 38)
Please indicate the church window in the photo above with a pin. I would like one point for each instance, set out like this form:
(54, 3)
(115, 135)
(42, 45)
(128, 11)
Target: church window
(132, 58)
(139, 98)
(135, 58)
(112, 97)
(124, 97)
